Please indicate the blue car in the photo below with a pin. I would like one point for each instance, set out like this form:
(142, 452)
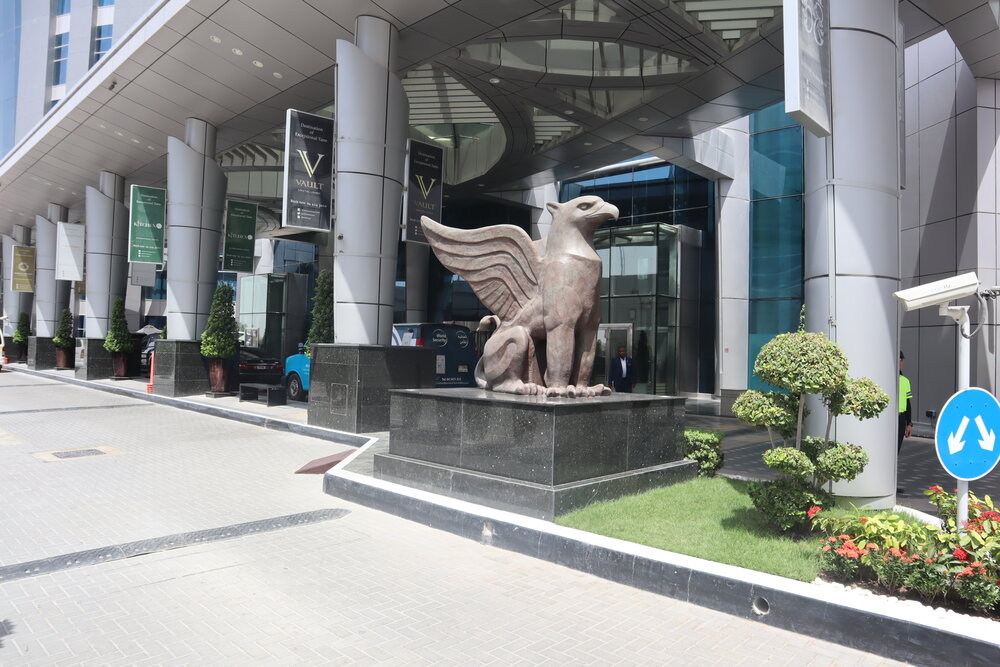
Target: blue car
(297, 377)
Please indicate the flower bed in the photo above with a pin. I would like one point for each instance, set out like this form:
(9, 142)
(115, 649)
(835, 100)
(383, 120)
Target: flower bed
(935, 563)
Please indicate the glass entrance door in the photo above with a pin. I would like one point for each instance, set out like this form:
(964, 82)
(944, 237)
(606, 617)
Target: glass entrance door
(609, 338)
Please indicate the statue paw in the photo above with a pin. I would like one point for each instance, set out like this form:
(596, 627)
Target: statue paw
(599, 390)
(571, 391)
(532, 389)
(555, 391)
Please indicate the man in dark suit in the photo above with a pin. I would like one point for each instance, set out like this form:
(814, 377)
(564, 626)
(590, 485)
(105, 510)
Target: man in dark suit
(621, 374)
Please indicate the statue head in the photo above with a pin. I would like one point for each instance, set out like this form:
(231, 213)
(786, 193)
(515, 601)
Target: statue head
(585, 213)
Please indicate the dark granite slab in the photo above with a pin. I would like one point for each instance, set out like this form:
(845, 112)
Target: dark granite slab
(179, 369)
(41, 353)
(534, 455)
(349, 385)
(93, 362)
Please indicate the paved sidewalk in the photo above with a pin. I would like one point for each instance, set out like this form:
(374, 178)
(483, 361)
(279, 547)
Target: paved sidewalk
(364, 588)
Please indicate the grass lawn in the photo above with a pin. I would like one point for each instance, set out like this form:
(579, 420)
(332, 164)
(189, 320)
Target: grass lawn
(711, 518)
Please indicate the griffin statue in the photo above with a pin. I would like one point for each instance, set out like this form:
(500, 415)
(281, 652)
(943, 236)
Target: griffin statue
(544, 296)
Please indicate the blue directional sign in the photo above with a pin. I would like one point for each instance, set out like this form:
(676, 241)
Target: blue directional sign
(966, 434)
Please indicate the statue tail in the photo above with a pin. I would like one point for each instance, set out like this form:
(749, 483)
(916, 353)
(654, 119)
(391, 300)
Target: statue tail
(480, 375)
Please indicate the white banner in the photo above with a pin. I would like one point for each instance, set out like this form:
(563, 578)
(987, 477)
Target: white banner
(70, 239)
(807, 64)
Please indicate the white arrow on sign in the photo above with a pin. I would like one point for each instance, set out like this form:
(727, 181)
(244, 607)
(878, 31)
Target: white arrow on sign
(988, 438)
(955, 442)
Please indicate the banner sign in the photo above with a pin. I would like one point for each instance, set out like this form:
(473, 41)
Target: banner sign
(807, 64)
(22, 270)
(309, 155)
(241, 230)
(143, 275)
(70, 239)
(147, 220)
(424, 188)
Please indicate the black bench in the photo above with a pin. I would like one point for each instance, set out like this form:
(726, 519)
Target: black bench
(275, 393)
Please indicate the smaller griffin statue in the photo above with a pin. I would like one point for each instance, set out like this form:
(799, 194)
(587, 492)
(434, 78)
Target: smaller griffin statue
(544, 296)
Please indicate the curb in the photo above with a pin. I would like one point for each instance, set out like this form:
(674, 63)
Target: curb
(254, 419)
(871, 624)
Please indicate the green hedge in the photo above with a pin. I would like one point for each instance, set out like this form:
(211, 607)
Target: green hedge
(705, 447)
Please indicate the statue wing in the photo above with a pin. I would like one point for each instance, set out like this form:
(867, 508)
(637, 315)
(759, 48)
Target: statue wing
(500, 263)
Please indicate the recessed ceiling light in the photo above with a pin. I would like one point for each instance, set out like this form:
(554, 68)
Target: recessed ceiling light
(120, 134)
(642, 119)
(278, 75)
(257, 63)
(588, 143)
(576, 166)
(150, 148)
(480, 185)
(134, 140)
(237, 52)
(103, 126)
(569, 112)
(47, 183)
(215, 38)
(494, 79)
(75, 192)
(62, 188)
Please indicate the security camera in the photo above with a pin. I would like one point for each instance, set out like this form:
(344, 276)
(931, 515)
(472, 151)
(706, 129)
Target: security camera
(938, 292)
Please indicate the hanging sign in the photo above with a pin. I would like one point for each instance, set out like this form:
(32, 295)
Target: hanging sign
(807, 64)
(70, 239)
(147, 220)
(424, 188)
(241, 229)
(965, 437)
(22, 270)
(309, 154)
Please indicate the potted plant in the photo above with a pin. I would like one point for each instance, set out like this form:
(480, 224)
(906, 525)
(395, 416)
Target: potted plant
(220, 339)
(20, 337)
(321, 329)
(118, 341)
(63, 340)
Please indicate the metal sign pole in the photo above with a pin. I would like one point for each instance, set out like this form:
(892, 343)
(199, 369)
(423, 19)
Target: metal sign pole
(961, 316)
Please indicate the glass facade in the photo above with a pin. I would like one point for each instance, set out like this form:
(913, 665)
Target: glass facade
(63, 7)
(660, 271)
(10, 48)
(776, 229)
(60, 53)
(102, 41)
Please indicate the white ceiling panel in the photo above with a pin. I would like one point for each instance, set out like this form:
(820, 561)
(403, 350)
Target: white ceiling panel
(305, 21)
(272, 38)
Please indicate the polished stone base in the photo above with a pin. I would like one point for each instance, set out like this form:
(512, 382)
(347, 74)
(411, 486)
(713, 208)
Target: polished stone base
(535, 456)
(41, 353)
(93, 362)
(180, 369)
(349, 384)
(728, 397)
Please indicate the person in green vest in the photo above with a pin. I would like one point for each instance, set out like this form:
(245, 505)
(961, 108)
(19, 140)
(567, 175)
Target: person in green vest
(905, 396)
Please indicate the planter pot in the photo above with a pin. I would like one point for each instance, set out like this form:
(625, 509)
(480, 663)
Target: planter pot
(217, 375)
(119, 364)
(18, 352)
(65, 356)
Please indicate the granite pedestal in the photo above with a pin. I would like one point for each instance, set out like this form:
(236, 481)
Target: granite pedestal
(349, 384)
(533, 455)
(41, 353)
(93, 362)
(180, 369)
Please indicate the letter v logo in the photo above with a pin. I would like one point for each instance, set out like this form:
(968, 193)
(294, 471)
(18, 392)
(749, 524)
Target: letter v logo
(426, 189)
(310, 167)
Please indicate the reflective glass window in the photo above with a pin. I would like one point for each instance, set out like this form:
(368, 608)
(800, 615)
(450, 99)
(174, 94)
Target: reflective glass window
(776, 250)
(776, 163)
(62, 7)
(60, 52)
(102, 41)
(105, 3)
(771, 118)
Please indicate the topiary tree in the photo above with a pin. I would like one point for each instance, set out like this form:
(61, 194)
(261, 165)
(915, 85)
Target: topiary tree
(321, 329)
(119, 339)
(64, 330)
(220, 338)
(23, 330)
(803, 363)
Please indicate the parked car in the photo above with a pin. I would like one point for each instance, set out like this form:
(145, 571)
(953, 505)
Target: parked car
(297, 377)
(255, 367)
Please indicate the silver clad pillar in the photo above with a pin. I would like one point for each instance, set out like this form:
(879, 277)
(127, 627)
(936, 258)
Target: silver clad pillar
(852, 229)
(196, 194)
(372, 116)
(14, 303)
(46, 313)
(106, 248)
(417, 267)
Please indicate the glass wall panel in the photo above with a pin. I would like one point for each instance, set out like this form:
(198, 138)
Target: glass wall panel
(776, 163)
(767, 320)
(633, 262)
(771, 118)
(776, 248)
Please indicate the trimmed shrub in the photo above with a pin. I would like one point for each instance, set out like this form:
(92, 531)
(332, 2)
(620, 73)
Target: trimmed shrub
(705, 447)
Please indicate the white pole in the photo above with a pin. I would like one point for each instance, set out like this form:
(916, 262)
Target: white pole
(963, 384)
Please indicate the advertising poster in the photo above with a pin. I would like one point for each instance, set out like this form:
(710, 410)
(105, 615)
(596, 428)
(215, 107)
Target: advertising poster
(70, 239)
(309, 156)
(807, 64)
(241, 230)
(22, 268)
(424, 188)
(147, 220)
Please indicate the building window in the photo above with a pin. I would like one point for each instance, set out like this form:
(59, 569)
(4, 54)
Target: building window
(102, 41)
(60, 53)
(53, 103)
(105, 3)
(62, 7)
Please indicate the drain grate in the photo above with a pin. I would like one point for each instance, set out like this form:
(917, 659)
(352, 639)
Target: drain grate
(76, 453)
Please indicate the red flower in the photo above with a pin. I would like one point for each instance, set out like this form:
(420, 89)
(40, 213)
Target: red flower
(863, 520)
(976, 563)
(832, 538)
(990, 514)
(813, 511)
(965, 573)
(960, 553)
(936, 489)
(843, 537)
(826, 548)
